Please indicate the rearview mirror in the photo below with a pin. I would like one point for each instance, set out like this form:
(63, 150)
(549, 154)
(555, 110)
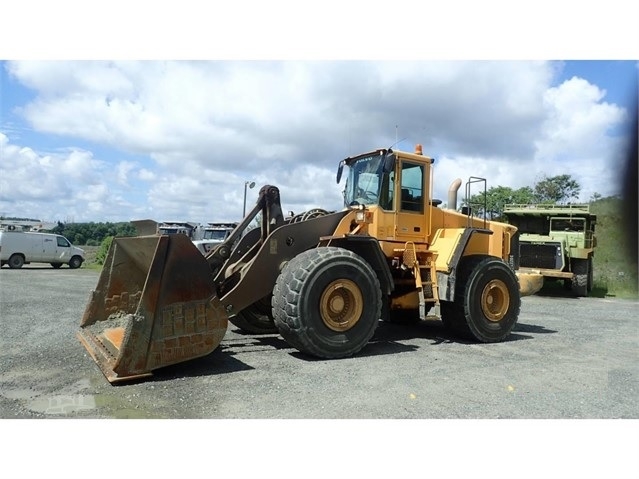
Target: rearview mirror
(340, 168)
(389, 161)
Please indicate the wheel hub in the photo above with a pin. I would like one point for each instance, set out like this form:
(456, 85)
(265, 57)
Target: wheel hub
(495, 300)
(341, 305)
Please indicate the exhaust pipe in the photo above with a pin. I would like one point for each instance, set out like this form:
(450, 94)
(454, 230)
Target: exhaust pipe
(452, 194)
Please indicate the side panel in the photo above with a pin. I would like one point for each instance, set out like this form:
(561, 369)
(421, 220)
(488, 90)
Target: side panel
(5, 246)
(49, 249)
(411, 227)
(17, 242)
(37, 247)
(444, 243)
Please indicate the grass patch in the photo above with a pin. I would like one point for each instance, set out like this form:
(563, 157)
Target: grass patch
(90, 253)
(92, 266)
(614, 269)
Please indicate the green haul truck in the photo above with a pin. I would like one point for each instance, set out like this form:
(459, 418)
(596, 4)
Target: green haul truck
(557, 241)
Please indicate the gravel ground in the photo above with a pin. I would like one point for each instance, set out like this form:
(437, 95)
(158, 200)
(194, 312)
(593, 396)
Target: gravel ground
(567, 358)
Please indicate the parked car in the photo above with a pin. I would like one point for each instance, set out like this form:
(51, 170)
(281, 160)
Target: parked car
(18, 248)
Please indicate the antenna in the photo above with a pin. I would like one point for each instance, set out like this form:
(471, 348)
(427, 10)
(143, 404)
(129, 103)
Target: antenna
(350, 140)
(396, 140)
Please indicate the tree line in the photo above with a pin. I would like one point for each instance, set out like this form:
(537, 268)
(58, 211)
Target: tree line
(93, 234)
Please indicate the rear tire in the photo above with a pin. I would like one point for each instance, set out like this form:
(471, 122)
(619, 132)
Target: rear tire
(16, 261)
(256, 318)
(487, 300)
(327, 302)
(56, 265)
(580, 269)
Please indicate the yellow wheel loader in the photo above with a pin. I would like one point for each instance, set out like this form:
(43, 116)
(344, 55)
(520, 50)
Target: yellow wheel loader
(322, 279)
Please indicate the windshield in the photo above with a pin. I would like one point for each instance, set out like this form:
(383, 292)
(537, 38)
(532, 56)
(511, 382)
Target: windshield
(215, 234)
(364, 180)
(568, 224)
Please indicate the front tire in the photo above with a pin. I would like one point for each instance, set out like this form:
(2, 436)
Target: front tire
(487, 300)
(75, 262)
(327, 302)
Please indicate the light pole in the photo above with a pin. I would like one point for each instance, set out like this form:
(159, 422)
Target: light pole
(250, 184)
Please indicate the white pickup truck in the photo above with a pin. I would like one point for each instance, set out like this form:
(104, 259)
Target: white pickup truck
(18, 248)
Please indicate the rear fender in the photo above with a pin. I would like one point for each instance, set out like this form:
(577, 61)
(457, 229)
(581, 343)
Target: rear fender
(451, 248)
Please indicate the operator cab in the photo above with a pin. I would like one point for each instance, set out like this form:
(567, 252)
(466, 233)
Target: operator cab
(372, 180)
(366, 175)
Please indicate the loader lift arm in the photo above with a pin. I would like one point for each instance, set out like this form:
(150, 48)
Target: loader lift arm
(268, 203)
(252, 265)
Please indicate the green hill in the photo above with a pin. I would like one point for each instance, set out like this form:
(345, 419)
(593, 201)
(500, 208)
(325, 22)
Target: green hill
(615, 269)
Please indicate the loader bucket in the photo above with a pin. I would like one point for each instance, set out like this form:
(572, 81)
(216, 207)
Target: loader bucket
(154, 306)
(529, 282)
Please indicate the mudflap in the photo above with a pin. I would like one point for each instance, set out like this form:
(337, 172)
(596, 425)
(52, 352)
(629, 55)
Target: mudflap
(154, 305)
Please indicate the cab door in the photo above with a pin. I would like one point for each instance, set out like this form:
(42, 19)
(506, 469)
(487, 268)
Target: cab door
(62, 249)
(410, 222)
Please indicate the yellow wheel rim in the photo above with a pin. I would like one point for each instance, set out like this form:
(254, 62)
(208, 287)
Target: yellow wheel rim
(495, 300)
(341, 305)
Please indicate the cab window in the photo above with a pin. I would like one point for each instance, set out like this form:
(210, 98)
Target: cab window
(62, 242)
(412, 187)
(387, 193)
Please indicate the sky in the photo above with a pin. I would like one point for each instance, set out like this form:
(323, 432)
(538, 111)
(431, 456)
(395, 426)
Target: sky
(131, 134)
(103, 140)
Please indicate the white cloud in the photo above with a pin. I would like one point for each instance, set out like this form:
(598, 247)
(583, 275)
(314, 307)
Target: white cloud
(146, 175)
(201, 129)
(577, 122)
(55, 186)
(27, 176)
(124, 168)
